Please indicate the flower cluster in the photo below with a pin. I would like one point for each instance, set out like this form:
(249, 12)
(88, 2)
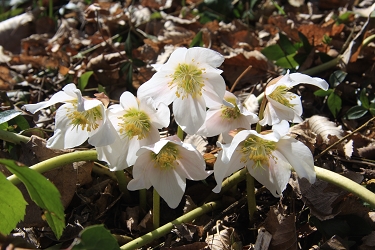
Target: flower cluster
(127, 134)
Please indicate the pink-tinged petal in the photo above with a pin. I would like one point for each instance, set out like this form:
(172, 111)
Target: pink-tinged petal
(191, 164)
(189, 113)
(274, 175)
(159, 115)
(114, 154)
(141, 172)
(214, 89)
(222, 170)
(60, 96)
(128, 101)
(169, 185)
(229, 150)
(158, 89)
(66, 135)
(203, 55)
(299, 156)
(214, 124)
(302, 78)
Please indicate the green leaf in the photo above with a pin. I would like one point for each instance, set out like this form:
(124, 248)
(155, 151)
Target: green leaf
(96, 237)
(273, 52)
(197, 40)
(21, 123)
(287, 62)
(336, 78)
(8, 115)
(356, 112)
(321, 92)
(334, 103)
(286, 45)
(306, 44)
(13, 205)
(372, 108)
(42, 192)
(364, 98)
(84, 80)
(129, 46)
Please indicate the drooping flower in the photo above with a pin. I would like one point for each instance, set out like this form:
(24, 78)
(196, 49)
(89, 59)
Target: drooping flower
(224, 118)
(285, 105)
(137, 123)
(190, 79)
(269, 158)
(166, 165)
(77, 120)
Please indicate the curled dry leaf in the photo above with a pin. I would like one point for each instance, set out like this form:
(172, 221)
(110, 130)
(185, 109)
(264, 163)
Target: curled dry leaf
(226, 239)
(324, 127)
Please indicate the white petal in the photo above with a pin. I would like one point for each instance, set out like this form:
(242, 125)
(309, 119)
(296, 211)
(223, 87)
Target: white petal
(114, 154)
(229, 150)
(178, 56)
(159, 115)
(214, 124)
(106, 134)
(208, 56)
(222, 170)
(299, 156)
(169, 185)
(191, 165)
(128, 101)
(60, 96)
(189, 113)
(214, 89)
(302, 78)
(65, 134)
(141, 172)
(135, 144)
(157, 88)
(281, 129)
(274, 175)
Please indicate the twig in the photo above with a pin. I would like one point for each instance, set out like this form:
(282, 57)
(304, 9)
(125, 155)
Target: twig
(240, 77)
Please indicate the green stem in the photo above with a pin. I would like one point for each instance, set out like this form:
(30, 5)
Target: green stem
(163, 230)
(323, 67)
(123, 181)
(346, 184)
(13, 138)
(251, 201)
(155, 209)
(367, 40)
(58, 161)
(180, 133)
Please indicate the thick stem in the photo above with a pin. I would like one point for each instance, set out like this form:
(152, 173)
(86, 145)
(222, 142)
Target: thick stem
(123, 181)
(251, 201)
(346, 184)
(155, 209)
(58, 161)
(163, 230)
(323, 67)
(13, 138)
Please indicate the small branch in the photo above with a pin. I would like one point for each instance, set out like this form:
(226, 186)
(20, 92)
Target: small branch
(240, 77)
(322, 67)
(163, 230)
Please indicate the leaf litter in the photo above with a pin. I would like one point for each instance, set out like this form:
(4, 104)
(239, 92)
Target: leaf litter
(118, 42)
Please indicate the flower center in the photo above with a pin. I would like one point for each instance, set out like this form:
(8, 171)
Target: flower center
(167, 157)
(188, 79)
(257, 149)
(229, 112)
(135, 123)
(280, 94)
(88, 120)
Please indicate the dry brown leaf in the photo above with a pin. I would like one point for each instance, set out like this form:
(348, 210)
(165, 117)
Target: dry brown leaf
(132, 214)
(320, 125)
(368, 242)
(335, 243)
(263, 239)
(226, 239)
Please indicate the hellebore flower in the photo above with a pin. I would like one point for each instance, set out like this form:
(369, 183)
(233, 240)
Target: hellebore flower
(285, 105)
(137, 122)
(190, 79)
(166, 165)
(269, 158)
(77, 120)
(222, 118)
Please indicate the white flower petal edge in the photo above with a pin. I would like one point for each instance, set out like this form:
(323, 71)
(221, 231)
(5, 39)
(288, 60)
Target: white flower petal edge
(269, 158)
(284, 105)
(190, 79)
(136, 122)
(166, 165)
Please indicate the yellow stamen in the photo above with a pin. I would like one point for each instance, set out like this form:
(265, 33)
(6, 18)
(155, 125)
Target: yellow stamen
(135, 123)
(229, 112)
(189, 80)
(280, 95)
(258, 150)
(166, 158)
(87, 120)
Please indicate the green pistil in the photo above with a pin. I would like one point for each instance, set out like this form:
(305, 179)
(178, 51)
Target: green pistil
(258, 150)
(166, 158)
(230, 113)
(280, 95)
(87, 120)
(135, 123)
(189, 80)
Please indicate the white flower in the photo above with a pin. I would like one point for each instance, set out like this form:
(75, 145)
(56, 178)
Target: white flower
(269, 158)
(137, 123)
(222, 118)
(166, 165)
(284, 105)
(77, 120)
(190, 79)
